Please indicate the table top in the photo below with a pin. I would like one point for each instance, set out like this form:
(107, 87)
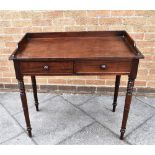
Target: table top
(77, 45)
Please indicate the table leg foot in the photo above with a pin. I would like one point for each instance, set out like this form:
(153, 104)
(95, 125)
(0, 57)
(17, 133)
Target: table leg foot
(37, 106)
(122, 134)
(114, 107)
(29, 132)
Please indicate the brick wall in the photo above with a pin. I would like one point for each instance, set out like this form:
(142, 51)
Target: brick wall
(139, 24)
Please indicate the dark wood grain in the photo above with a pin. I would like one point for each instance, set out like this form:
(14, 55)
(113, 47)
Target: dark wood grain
(24, 105)
(77, 53)
(77, 45)
(46, 68)
(127, 106)
(128, 98)
(117, 83)
(34, 86)
(94, 67)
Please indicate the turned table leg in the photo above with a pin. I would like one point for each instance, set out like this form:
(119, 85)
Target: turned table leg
(34, 86)
(127, 106)
(24, 105)
(117, 83)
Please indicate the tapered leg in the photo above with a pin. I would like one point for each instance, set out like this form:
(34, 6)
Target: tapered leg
(117, 83)
(127, 106)
(24, 105)
(34, 86)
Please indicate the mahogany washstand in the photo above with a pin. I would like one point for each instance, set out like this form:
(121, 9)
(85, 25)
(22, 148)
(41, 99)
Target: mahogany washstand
(77, 53)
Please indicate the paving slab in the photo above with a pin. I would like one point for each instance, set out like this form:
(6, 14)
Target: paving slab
(56, 120)
(2, 93)
(8, 126)
(94, 134)
(144, 135)
(107, 101)
(22, 139)
(77, 99)
(149, 100)
(12, 101)
(139, 112)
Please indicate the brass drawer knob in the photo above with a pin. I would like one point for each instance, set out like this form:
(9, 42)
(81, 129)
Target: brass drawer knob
(103, 66)
(46, 67)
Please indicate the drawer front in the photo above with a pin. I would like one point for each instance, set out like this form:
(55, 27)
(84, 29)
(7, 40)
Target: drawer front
(46, 68)
(101, 67)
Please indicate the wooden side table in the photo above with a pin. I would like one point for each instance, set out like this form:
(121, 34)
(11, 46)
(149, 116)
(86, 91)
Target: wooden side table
(77, 53)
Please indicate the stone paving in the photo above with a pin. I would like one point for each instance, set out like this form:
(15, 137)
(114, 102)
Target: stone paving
(76, 119)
